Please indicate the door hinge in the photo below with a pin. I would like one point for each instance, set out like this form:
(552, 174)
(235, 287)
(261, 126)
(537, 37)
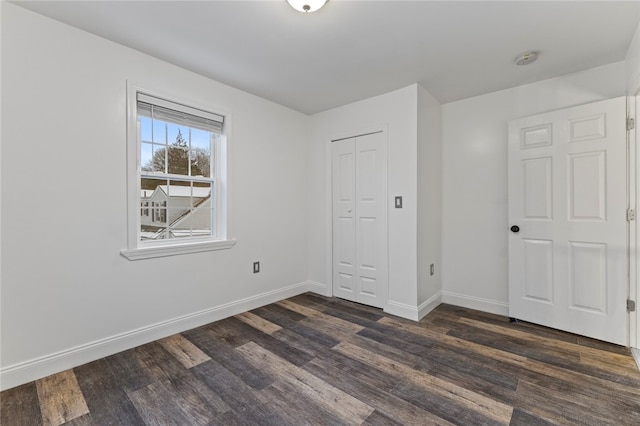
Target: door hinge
(631, 215)
(631, 305)
(631, 123)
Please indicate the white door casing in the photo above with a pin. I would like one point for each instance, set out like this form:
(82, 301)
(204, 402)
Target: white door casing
(567, 194)
(634, 231)
(359, 171)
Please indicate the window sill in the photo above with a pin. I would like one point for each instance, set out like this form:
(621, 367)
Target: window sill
(176, 249)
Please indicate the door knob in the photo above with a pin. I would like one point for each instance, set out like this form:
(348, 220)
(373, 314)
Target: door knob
(515, 229)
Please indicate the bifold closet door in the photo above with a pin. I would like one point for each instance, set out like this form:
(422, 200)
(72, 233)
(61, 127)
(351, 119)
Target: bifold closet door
(359, 175)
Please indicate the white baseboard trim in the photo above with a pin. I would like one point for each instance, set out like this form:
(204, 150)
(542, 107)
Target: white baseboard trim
(414, 313)
(320, 288)
(429, 305)
(636, 355)
(24, 372)
(471, 302)
(402, 310)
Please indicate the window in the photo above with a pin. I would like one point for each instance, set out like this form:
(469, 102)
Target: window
(180, 173)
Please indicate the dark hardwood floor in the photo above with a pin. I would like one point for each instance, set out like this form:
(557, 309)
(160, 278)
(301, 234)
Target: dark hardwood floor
(321, 361)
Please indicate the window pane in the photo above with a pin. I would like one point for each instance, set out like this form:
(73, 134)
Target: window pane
(202, 215)
(189, 209)
(153, 202)
(174, 209)
(152, 184)
(178, 158)
(159, 132)
(192, 223)
(159, 158)
(201, 193)
(181, 225)
(145, 129)
(153, 157)
(146, 155)
(177, 135)
(179, 199)
(200, 153)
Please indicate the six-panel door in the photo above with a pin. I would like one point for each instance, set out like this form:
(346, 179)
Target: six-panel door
(567, 196)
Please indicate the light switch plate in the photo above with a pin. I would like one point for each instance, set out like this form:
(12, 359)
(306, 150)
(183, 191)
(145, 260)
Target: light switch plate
(398, 202)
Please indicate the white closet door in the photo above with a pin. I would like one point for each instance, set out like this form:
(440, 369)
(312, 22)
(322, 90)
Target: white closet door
(344, 224)
(567, 198)
(360, 219)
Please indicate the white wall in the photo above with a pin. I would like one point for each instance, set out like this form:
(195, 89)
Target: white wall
(67, 295)
(429, 200)
(398, 111)
(632, 64)
(474, 201)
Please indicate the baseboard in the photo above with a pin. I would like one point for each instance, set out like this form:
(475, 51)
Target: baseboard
(477, 303)
(402, 310)
(414, 313)
(429, 305)
(636, 355)
(320, 288)
(24, 372)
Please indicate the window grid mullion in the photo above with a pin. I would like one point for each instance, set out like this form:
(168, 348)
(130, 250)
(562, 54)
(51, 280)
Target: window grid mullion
(166, 148)
(189, 153)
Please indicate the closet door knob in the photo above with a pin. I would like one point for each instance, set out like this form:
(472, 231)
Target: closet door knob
(515, 229)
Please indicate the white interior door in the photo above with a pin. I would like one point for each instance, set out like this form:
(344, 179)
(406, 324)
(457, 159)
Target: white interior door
(360, 219)
(567, 196)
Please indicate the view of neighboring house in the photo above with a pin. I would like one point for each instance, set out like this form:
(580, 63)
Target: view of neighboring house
(175, 211)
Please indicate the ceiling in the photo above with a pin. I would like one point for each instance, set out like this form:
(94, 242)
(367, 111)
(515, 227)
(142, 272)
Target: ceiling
(352, 50)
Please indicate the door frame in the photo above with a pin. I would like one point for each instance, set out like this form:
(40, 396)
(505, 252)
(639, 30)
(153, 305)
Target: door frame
(328, 214)
(633, 194)
(633, 108)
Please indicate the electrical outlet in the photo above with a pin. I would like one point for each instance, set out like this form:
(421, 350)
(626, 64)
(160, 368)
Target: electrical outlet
(432, 269)
(256, 267)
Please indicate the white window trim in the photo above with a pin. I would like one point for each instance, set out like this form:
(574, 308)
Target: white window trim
(137, 251)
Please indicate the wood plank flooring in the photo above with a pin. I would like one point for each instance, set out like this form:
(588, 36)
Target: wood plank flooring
(312, 360)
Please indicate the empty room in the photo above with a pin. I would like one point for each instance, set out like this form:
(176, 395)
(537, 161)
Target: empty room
(284, 212)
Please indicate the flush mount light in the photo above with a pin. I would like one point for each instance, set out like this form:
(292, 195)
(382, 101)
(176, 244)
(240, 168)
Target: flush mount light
(526, 58)
(306, 5)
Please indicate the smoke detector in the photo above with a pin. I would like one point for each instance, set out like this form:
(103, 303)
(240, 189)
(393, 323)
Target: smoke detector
(526, 58)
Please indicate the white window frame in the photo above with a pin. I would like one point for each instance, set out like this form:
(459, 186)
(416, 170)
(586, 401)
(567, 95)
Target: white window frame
(137, 249)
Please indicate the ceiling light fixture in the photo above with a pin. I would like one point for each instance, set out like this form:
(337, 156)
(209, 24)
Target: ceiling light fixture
(526, 58)
(306, 5)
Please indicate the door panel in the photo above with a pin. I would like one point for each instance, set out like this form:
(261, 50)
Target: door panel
(359, 170)
(537, 188)
(567, 194)
(588, 276)
(344, 226)
(538, 273)
(587, 176)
